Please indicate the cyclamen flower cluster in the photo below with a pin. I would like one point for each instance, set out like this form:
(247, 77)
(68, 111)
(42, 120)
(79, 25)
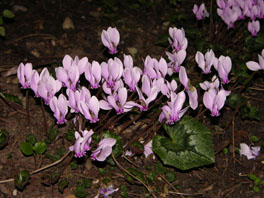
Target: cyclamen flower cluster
(200, 12)
(233, 10)
(214, 96)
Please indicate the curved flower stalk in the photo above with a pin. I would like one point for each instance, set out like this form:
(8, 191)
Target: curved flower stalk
(104, 149)
(81, 63)
(214, 100)
(254, 27)
(59, 106)
(48, 87)
(112, 71)
(254, 66)
(200, 12)
(110, 39)
(82, 143)
(118, 102)
(178, 42)
(249, 152)
(68, 74)
(150, 90)
(176, 59)
(24, 73)
(90, 109)
(206, 61)
(210, 85)
(173, 111)
(223, 65)
(93, 74)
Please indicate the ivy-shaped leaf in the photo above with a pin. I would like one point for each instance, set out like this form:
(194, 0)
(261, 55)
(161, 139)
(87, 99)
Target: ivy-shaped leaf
(190, 145)
(8, 14)
(26, 148)
(40, 147)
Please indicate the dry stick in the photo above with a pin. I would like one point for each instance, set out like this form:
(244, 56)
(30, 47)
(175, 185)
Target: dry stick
(27, 107)
(44, 117)
(123, 169)
(176, 191)
(40, 169)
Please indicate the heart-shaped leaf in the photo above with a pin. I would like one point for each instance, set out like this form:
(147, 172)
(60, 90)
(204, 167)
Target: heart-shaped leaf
(22, 179)
(8, 14)
(190, 145)
(26, 148)
(40, 147)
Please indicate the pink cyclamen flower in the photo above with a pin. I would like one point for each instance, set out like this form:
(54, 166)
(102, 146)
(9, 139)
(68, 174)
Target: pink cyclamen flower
(93, 74)
(81, 63)
(168, 88)
(179, 41)
(48, 87)
(107, 191)
(173, 111)
(118, 102)
(110, 39)
(104, 149)
(148, 149)
(35, 79)
(24, 73)
(200, 12)
(155, 69)
(214, 100)
(223, 65)
(254, 27)
(210, 85)
(254, 66)
(82, 143)
(59, 106)
(206, 61)
(249, 152)
(68, 74)
(90, 109)
(193, 97)
(176, 59)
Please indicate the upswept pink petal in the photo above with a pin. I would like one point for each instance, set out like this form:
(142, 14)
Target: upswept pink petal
(146, 85)
(94, 106)
(122, 95)
(183, 77)
(163, 67)
(67, 62)
(252, 65)
(104, 105)
(199, 58)
(62, 75)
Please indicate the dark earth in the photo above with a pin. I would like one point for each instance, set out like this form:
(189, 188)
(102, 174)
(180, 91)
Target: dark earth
(36, 35)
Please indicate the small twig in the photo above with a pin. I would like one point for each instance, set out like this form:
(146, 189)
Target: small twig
(123, 169)
(40, 169)
(176, 191)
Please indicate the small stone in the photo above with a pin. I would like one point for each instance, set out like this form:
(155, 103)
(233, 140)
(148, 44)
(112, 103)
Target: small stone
(15, 192)
(53, 43)
(133, 51)
(35, 53)
(67, 24)
(21, 8)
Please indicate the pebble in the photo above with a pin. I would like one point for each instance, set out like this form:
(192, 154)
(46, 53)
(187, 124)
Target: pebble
(15, 192)
(68, 24)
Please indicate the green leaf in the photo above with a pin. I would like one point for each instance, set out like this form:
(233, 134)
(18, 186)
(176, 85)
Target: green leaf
(137, 148)
(8, 14)
(254, 138)
(256, 189)
(101, 171)
(250, 112)
(1, 20)
(70, 136)
(118, 148)
(26, 148)
(22, 179)
(74, 165)
(80, 191)
(170, 176)
(190, 145)
(31, 138)
(87, 183)
(257, 181)
(159, 168)
(53, 134)
(252, 177)
(63, 184)
(40, 147)
(3, 138)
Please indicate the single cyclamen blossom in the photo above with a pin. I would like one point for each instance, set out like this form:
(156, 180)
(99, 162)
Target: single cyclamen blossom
(193, 97)
(35, 79)
(254, 66)
(206, 61)
(118, 102)
(249, 152)
(169, 87)
(81, 63)
(90, 109)
(200, 12)
(82, 143)
(48, 87)
(223, 65)
(69, 73)
(210, 85)
(104, 149)
(106, 191)
(93, 74)
(253, 27)
(112, 71)
(148, 149)
(24, 73)
(176, 59)
(178, 42)
(155, 69)
(110, 39)
(173, 111)
(214, 100)
(59, 106)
